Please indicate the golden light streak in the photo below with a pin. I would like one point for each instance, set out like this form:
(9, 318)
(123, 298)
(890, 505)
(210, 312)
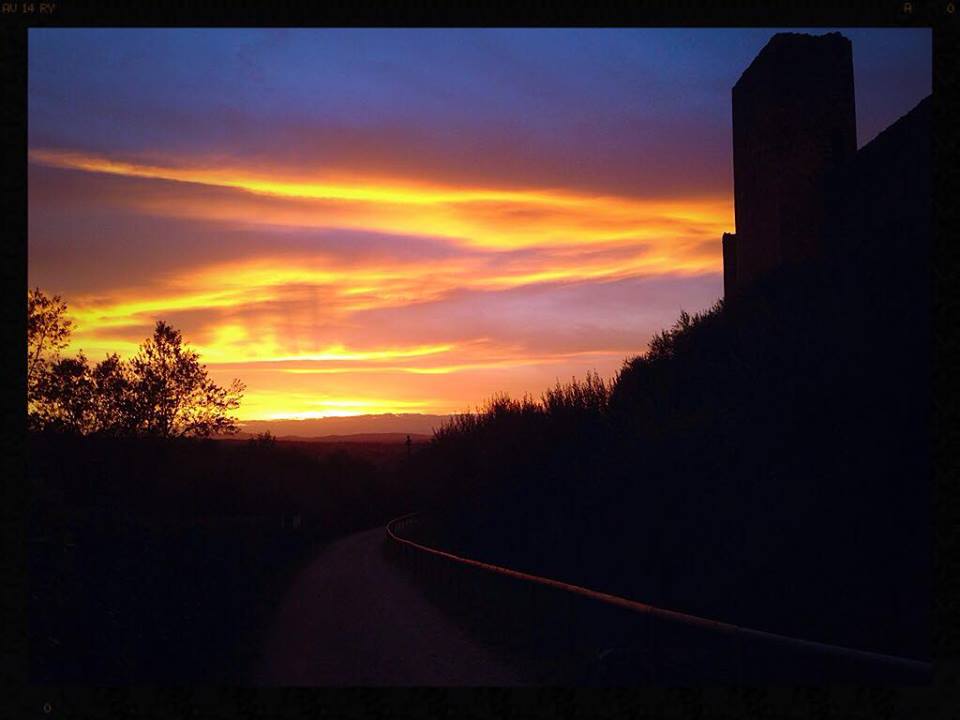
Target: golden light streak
(242, 285)
(489, 218)
(301, 406)
(338, 352)
(112, 314)
(371, 189)
(519, 360)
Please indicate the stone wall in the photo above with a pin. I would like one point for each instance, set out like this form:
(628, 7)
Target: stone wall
(793, 124)
(881, 201)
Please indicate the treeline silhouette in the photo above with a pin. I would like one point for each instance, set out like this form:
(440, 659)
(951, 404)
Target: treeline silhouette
(765, 462)
(161, 391)
(156, 553)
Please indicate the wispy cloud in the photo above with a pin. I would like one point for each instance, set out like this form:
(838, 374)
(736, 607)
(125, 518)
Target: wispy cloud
(307, 309)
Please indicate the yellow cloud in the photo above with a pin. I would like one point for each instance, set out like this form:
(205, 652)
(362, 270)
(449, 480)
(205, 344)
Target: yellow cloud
(489, 218)
(564, 237)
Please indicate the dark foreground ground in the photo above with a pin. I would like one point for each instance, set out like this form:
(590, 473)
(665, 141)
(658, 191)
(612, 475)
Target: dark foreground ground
(352, 617)
(162, 562)
(157, 604)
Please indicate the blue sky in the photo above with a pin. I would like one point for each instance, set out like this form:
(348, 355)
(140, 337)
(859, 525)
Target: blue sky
(599, 102)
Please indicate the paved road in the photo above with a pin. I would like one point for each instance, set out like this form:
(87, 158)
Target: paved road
(353, 618)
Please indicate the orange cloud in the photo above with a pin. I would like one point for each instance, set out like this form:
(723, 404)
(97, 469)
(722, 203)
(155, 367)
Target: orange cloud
(282, 321)
(485, 218)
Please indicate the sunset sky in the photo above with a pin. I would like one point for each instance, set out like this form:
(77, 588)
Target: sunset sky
(396, 221)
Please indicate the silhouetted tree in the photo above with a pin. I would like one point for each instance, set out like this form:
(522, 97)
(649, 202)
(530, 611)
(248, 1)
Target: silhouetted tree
(263, 440)
(113, 397)
(163, 390)
(48, 332)
(64, 399)
(70, 396)
(172, 395)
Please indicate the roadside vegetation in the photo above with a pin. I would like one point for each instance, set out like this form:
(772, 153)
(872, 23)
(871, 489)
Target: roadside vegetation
(765, 462)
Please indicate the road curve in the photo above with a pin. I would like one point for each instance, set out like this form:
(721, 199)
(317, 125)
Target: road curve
(353, 618)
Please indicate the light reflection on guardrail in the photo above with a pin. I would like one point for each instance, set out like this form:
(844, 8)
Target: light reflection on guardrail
(629, 641)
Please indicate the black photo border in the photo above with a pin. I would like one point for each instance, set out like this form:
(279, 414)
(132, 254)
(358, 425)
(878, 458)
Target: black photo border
(22, 700)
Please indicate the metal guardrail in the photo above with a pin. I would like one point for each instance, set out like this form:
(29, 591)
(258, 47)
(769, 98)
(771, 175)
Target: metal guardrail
(649, 642)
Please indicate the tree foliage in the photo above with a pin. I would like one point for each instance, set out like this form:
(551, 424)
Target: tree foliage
(48, 332)
(162, 391)
(172, 393)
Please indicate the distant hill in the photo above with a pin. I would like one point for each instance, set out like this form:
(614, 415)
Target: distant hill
(360, 428)
(383, 438)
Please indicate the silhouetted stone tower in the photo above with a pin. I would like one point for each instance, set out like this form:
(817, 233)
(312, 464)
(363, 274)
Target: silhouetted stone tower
(793, 122)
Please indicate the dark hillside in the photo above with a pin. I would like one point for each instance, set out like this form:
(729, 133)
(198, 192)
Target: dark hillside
(764, 463)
